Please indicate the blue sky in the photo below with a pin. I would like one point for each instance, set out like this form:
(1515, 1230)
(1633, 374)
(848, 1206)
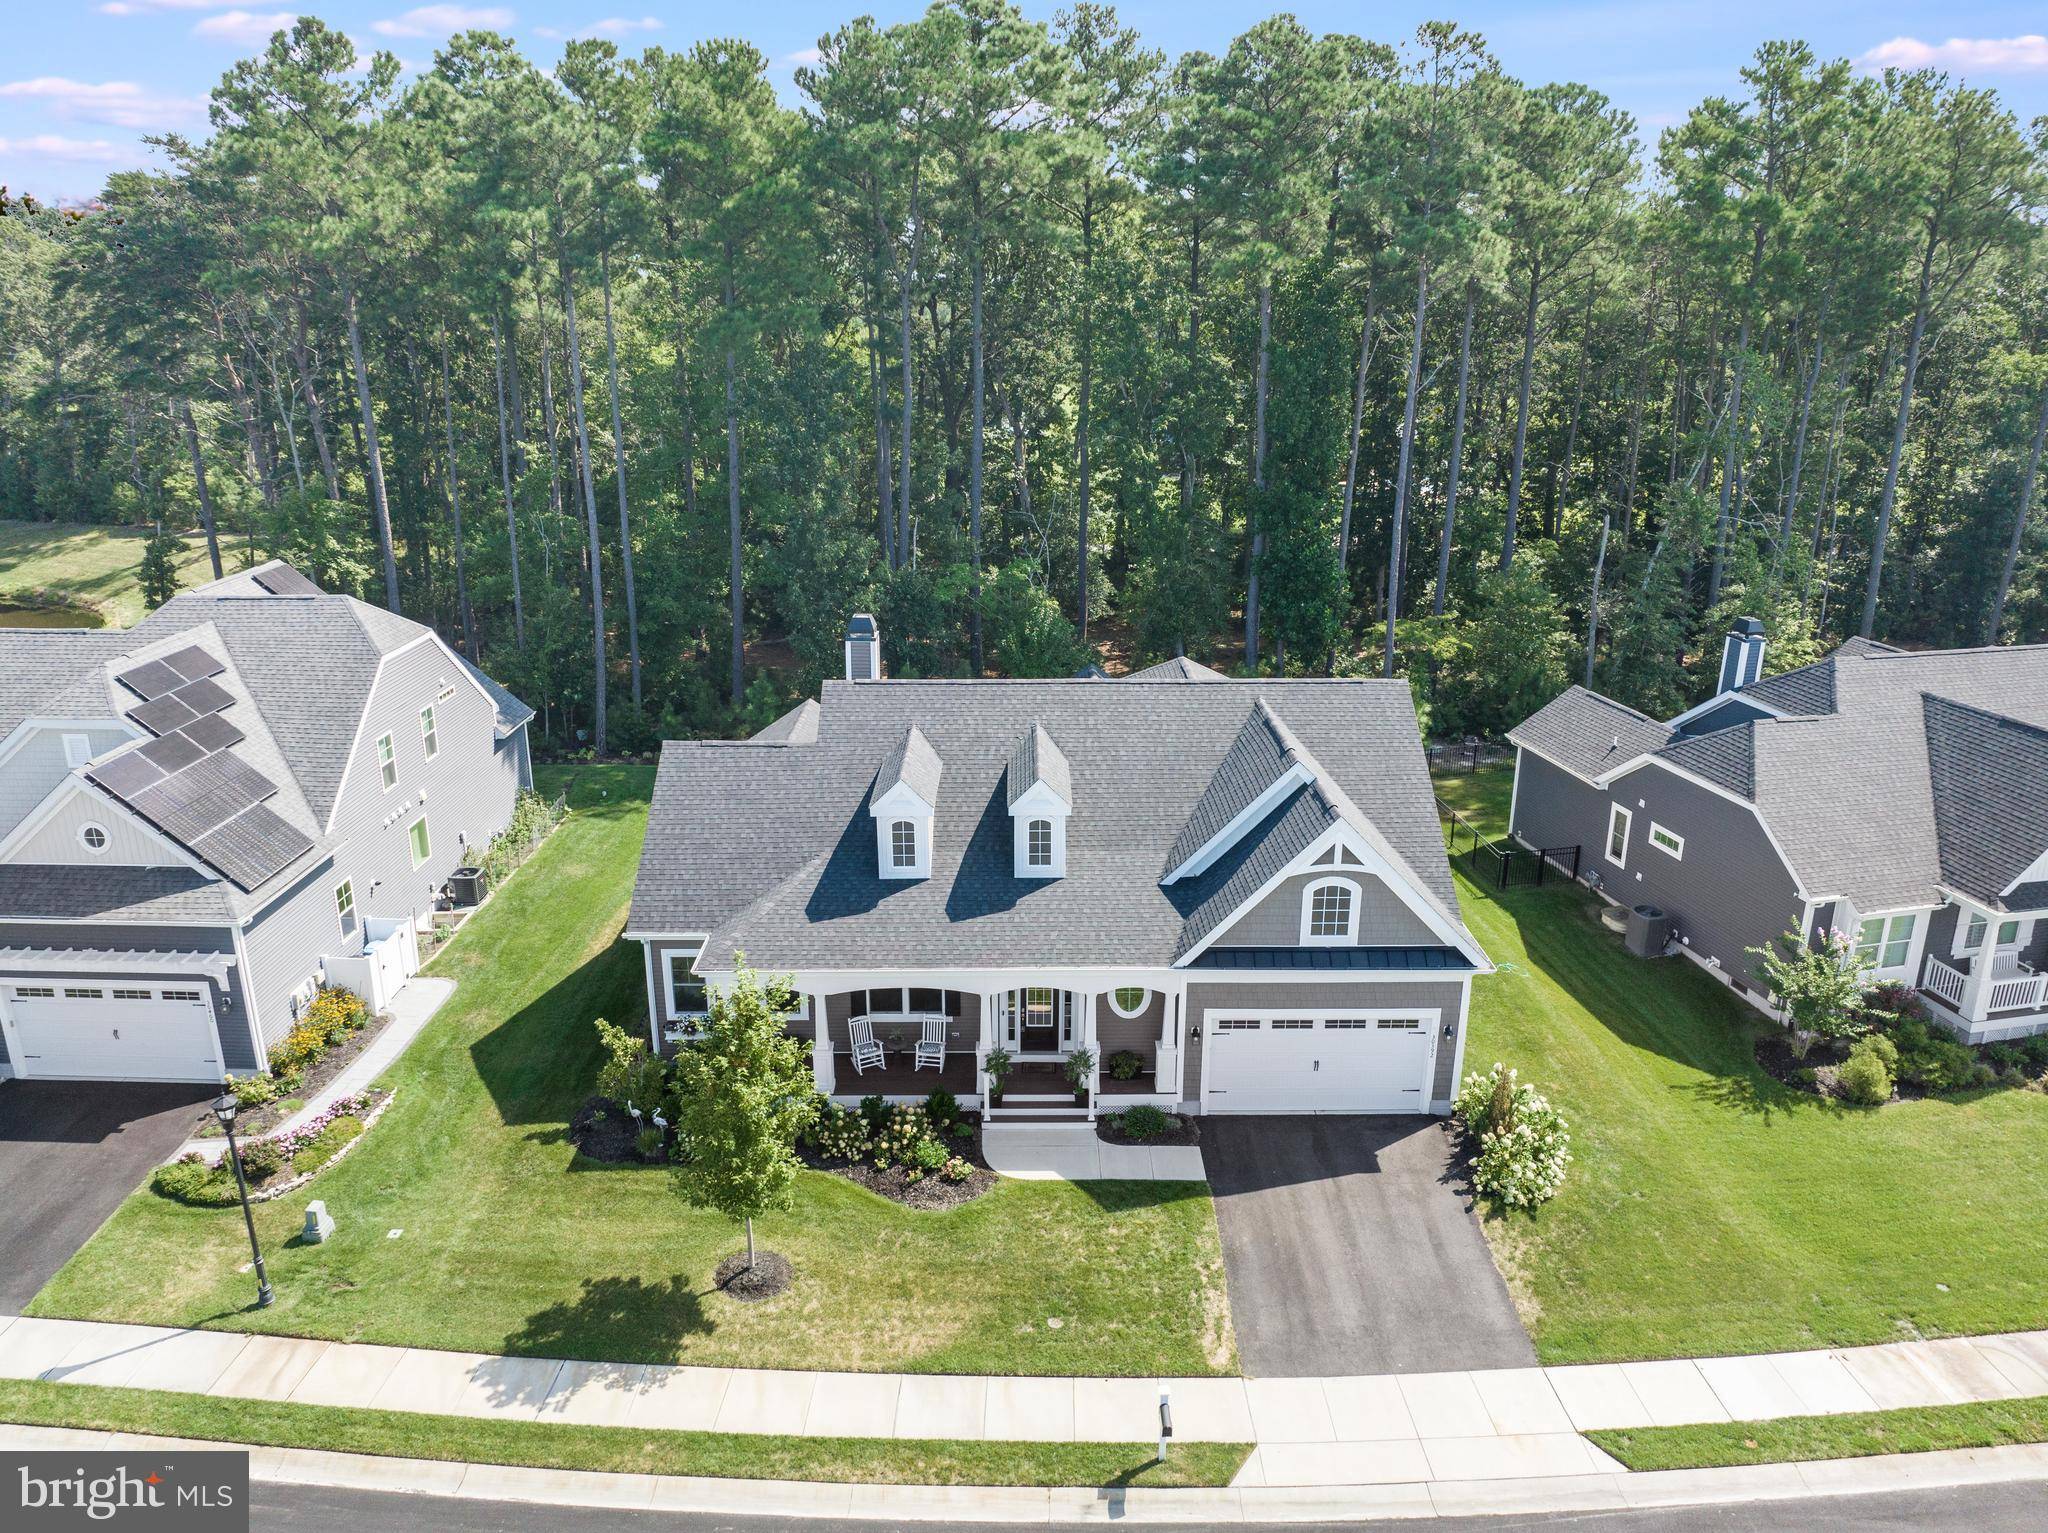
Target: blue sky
(81, 81)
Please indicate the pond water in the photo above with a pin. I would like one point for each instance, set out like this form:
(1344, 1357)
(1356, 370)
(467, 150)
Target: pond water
(13, 615)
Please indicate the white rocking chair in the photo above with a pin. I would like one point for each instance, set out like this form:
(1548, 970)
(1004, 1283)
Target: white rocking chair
(931, 1045)
(866, 1051)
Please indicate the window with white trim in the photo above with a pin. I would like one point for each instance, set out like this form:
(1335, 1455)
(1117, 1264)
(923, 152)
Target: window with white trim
(1038, 844)
(903, 844)
(345, 906)
(1668, 842)
(1329, 912)
(93, 838)
(689, 999)
(1129, 1000)
(421, 840)
(1884, 942)
(1618, 821)
(430, 739)
(1973, 933)
(387, 761)
(77, 750)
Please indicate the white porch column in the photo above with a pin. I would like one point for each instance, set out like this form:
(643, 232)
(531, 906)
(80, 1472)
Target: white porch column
(824, 1073)
(1977, 983)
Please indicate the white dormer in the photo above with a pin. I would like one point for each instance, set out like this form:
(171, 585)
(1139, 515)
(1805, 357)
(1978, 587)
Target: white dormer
(906, 797)
(1041, 797)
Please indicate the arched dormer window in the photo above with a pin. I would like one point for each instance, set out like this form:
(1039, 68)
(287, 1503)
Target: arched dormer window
(903, 844)
(1329, 913)
(1038, 844)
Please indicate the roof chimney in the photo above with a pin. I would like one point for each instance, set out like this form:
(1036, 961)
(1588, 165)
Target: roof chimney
(863, 648)
(1742, 654)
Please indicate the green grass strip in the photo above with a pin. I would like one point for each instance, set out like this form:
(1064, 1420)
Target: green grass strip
(1920, 1429)
(622, 1450)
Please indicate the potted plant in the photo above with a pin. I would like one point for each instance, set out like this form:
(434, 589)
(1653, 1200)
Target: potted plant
(1080, 1066)
(998, 1066)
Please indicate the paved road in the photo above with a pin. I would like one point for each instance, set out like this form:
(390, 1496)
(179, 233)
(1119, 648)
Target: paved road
(70, 1151)
(1351, 1248)
(1971, 1509)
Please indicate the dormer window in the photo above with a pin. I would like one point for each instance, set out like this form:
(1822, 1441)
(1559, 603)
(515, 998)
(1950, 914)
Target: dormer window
(906, 796)
(1041, 796)
(1329, 913)
(903, 844)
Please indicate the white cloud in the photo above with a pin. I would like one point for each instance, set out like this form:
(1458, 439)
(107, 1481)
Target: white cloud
(120, 103)
(55, 146)
(145, 7)
(249, 28)
(1984, 55)
(439, 21)
(806, 56)
(611, 26)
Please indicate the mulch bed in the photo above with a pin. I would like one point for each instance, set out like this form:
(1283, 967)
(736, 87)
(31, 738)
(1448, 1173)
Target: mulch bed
(770, 1275)
(929, 1192)
(1179, 1131)
(1775, 1058)
(254, 1122)
(603, 1130)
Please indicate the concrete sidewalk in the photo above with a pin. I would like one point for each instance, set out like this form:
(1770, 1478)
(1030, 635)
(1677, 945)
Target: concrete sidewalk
(412, 1008)
(1074, 1152)
(799, 1499)
(1388, 1429)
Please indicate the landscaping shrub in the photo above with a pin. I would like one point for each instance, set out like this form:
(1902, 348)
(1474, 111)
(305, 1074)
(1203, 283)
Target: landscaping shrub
(942, 1107)
(1143, 1122)
(928, 1155)
(299, 1048)
(963, 1130)
(1523, 1146)
(1864, 1077)
(902, 1128)
(650, 1144)
(1934, 1061)
(532, 818)
(335, 1013)
(2036, 1050)
(189, 1179)
(256, 1090)
(630, 1072)
(1124, 1065)
(262, 1159)
(873, 1109)
(956, 1170)
(840, 1135)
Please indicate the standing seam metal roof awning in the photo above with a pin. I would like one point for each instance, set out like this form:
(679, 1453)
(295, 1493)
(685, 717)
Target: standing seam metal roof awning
(17, 961)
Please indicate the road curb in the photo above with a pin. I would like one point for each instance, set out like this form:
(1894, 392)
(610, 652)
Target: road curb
(957, 1504)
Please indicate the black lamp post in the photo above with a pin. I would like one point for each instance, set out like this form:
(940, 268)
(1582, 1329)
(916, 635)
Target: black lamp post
(224, 1108)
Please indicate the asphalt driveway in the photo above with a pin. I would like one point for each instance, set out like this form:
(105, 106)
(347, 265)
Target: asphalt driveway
(69, 1153)
(1351, 1247)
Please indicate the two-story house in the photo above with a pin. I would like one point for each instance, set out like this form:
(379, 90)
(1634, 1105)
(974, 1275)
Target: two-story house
(259, 788)
(1899, 799)
(1241, 883)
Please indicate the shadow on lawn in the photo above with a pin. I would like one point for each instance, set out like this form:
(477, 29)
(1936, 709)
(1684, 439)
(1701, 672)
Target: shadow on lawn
(620, 1318)
(1662, 1006)
(541, 1061)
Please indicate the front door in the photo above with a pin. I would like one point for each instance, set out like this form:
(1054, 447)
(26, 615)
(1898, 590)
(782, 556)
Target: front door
(1041, 1020)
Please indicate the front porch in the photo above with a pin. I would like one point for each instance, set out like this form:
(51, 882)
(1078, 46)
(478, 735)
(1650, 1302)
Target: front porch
(1985, 998)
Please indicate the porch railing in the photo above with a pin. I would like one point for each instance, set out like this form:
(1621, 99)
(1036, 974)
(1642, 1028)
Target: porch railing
(2012, 986)
(1946, 981)
(2022, 992)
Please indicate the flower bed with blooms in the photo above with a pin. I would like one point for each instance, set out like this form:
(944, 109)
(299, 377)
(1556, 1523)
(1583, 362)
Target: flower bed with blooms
(1522, 1147)
(277, 1164)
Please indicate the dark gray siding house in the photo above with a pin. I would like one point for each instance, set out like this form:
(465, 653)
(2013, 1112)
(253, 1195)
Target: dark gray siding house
(1897, 801)
(202, 823)
(1241, 883)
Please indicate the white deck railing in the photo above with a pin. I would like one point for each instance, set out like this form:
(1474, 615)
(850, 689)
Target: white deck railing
(2012, 985)
(2020, 993)
(1946, 981)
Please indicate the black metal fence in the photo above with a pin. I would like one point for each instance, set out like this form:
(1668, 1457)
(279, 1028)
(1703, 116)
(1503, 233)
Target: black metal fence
(1504, 864)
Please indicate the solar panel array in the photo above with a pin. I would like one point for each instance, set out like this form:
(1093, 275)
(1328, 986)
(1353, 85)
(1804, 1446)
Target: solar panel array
(286, 581)
(186, 783)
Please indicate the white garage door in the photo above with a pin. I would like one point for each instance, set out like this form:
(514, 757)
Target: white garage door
(94, 1031)
(1363, 1062)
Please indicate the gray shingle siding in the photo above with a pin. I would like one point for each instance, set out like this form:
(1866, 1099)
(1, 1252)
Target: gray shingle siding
(230, 1001)
(37, 765)
(1384, 919)
(1139, 1034)
(1730, 892)
(287, 941)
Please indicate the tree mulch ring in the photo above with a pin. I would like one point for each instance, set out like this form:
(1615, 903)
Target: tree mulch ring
(1179, 1130)
(254, 1122)
(1775, 1058)
(770, 1275)
(929, 1192)
(603, 1130)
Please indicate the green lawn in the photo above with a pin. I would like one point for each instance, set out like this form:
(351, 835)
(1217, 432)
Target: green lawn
(618, 1450)
(1924, 1429)
(96, 567)
(1711, 1210)
(508, 1242)
(1481, 796)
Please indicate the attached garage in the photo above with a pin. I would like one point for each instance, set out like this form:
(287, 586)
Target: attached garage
(1319, 1061)
(98, 1030)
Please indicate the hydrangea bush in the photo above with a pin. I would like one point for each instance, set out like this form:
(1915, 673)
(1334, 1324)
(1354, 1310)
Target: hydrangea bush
(1523, 1144)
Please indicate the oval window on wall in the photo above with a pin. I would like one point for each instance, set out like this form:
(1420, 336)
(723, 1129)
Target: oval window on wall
(1129, 1001)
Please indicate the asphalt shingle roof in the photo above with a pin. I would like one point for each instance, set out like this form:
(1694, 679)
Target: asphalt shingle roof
(1726, 756)
(1037, 759)
(1989, 775)
(770, 849)
(1180, 668)
(1586, 733)
(139, 896)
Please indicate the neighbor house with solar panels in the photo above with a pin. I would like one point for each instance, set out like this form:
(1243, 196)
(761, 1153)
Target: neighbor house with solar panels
(1897, 799)
(258, 789)
(1194, 892)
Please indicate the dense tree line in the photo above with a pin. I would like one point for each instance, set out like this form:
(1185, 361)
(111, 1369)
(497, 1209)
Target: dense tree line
(1318, 354)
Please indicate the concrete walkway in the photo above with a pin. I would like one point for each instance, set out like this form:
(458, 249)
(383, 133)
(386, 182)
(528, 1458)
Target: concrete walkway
(792, 1500)
(1074, 1152)
(412, 1008)
(1387, 1429)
